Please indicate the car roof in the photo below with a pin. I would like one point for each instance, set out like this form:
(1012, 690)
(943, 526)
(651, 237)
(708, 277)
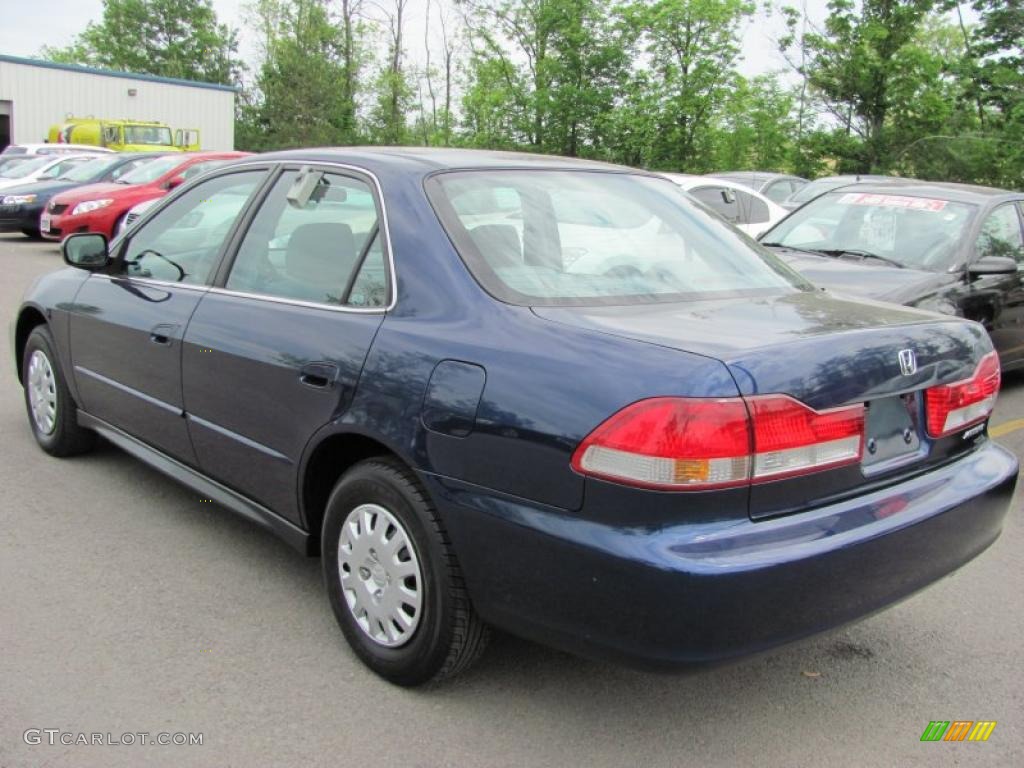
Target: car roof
(946, 190)
(429, 159)
(758, 177)
(53, 148)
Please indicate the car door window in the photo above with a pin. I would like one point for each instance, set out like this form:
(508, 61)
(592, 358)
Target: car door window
(1001, 235)
(181, 243)
(721, 200)
(779, 190)
(310, 245)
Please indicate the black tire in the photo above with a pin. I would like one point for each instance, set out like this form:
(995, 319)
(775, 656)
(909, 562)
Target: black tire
(66, 438)
(32, 234)
(449, 635)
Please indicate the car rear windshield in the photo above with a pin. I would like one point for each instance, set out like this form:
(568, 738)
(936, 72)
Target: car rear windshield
(578, 237)
(151, 171)
(918, 232)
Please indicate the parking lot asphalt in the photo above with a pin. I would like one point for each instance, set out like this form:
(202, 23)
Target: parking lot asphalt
(129, 606)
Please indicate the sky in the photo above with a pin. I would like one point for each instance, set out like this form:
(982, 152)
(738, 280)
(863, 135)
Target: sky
(28, 26)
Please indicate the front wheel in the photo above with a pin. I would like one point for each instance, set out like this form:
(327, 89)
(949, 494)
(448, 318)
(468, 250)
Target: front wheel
(394, 584)
(52, 412)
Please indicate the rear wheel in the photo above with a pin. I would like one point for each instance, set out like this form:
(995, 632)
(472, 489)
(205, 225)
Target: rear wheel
(34, 234)
(52, 412)
(392, 578)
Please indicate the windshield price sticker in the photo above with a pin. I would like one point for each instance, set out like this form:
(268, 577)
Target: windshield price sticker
(893, 201)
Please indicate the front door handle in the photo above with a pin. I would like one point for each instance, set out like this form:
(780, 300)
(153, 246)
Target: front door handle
(319, 375)
(163, 334)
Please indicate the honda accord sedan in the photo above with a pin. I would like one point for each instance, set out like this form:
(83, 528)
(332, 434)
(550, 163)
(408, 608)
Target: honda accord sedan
(553, 397)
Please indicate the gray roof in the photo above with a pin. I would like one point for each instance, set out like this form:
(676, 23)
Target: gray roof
(114, 73)
(427, 159)
(945, 190)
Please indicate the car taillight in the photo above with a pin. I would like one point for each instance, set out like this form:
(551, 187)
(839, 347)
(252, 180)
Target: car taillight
(951, 407)
(697, 444)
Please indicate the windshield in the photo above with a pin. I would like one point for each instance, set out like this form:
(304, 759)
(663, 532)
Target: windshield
(21, 170)
(92, 169)
(147, 134)
(151, 171)
(569, 237)
(918, 232)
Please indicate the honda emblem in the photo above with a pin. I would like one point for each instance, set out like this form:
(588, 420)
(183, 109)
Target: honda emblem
(908, 362)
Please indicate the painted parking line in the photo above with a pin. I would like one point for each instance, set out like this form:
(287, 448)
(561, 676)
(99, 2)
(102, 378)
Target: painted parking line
(1006, 428)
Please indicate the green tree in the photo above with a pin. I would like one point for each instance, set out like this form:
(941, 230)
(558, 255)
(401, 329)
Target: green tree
(394, 92)
(545, 73)
(306, 88)
(693, 46)
(169, 38)
(852, 66)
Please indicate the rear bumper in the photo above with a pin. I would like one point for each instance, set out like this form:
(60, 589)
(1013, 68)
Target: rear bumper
(688, 594)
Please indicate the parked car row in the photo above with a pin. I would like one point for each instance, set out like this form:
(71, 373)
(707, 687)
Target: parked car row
(55, 195)
(550, 396)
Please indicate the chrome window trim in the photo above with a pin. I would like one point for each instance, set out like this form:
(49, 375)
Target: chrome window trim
(202, 288)
(298, 302)
(392, 276)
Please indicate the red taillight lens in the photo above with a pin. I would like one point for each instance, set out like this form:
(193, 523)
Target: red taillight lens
(683, 443)
(952, 407)
(668, 442)
(790, 438)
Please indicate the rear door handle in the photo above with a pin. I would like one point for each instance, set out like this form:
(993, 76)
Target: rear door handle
(319, 375)
(163, 333)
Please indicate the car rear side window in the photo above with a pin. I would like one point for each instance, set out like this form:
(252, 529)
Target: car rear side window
(323, 247)
(757, 211)
(181, 243)
(722, 201)
(540, 237)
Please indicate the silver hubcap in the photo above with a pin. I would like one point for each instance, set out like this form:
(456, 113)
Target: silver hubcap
(380, 575)
(42, 392)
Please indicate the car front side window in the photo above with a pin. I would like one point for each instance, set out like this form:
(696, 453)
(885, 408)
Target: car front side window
(1001, 235)
(314, 239)
(182, 242)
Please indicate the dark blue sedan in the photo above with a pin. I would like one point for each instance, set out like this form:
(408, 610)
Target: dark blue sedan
(548, 396)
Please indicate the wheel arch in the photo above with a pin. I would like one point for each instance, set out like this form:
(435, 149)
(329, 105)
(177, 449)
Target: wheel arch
(29, 318)
(327, 461)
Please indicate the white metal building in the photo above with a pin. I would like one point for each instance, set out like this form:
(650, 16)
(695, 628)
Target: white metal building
(37, 94)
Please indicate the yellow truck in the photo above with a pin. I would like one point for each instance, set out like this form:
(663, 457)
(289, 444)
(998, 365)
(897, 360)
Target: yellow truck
(124, 135)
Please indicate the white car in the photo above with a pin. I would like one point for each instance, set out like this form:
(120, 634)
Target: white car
(52, 149)
(738, 204)
(40, 168)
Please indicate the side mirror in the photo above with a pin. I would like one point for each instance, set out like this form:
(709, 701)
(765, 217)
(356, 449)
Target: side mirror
(86, 250)
(992, 265)
(177, 181)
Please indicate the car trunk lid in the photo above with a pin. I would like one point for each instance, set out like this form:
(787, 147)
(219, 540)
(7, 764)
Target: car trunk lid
(825, 352)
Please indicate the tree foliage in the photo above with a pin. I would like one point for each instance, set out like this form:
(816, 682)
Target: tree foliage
(169, 38)
(904, 86)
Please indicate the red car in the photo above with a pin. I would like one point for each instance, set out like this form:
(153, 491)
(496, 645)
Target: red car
(100, 207)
